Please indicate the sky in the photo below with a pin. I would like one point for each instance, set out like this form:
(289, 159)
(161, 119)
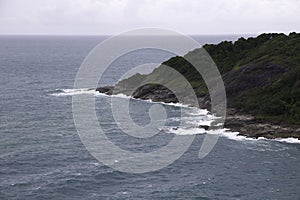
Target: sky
(108, 17)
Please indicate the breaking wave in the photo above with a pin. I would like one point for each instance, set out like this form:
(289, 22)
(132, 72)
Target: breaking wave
(191, 123)
(71, 92)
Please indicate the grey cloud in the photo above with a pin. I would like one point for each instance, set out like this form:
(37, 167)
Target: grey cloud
(114, 16)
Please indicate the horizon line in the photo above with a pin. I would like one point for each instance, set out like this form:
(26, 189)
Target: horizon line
(50, 34)
(109, 35)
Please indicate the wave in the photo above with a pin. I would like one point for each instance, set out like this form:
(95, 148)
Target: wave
(81, 91)
(235, 136)
(168, 104)
(185, 131)
(196, 118)
(201, 112)
(288, 140)
(71, 92)
(224, 132)
(192, 131)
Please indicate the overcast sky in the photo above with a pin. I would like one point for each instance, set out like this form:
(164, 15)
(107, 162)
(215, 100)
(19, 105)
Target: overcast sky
(107, 17)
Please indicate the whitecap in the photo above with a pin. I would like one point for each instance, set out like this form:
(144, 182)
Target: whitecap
(71, 92)
(96, 164)
(197, 112)
(237, 137)
(120, 95)
(185, 131)
(164, 103)
(216, 131)
(288, 140)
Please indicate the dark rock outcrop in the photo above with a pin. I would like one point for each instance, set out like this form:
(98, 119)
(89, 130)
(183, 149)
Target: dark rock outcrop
(105, 90)
(156, 93)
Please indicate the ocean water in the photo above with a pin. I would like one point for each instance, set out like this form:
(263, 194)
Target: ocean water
(42, 156)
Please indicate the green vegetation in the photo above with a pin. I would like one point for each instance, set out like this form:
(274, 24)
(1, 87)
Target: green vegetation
(273, 47)
(261, 75)
(279, 98)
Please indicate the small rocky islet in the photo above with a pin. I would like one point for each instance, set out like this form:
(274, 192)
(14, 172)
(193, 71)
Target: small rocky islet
(261, 76)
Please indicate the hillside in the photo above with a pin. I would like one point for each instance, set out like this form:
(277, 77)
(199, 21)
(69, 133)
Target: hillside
(261, 76)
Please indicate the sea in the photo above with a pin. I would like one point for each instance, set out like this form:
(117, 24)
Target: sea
(43, 157)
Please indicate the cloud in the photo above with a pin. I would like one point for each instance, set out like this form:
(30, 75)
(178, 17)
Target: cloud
(114, 16)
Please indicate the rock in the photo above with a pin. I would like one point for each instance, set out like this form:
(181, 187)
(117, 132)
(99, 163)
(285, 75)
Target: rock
(255, 128)
(204, 127)
(156, 93)
(105, 90)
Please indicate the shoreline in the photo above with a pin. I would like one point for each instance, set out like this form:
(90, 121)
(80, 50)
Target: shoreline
(252, 127)
(245, 124)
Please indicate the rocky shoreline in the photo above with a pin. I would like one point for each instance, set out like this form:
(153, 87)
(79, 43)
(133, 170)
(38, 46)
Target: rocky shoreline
(253, 127)
(247, 125)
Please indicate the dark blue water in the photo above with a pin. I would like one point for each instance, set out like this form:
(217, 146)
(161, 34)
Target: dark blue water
(42, 157)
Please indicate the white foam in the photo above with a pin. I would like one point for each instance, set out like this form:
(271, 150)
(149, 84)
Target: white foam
(234, 136)
(216, 131)
(205, 121)
(121, 96)
(168, 104)
(197, 112)
(197, 117)
(185, 131)
(193, 131)
(71, 92)
(96, 164)
(175, 104)
(197, 122)
(289, 140)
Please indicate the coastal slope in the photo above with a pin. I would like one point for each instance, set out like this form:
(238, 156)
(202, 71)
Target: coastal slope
(261, 77)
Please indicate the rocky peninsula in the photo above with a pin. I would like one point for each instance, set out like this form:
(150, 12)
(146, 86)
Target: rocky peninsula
(262, 82)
